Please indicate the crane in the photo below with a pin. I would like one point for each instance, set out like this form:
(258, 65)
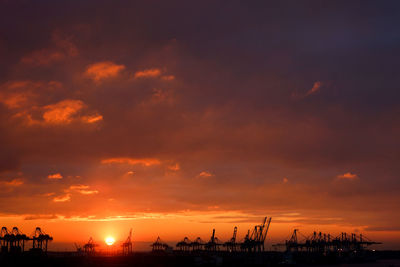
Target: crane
(185, 244)
(127, 245)
(213, 244)
(255, 241)
(89, 247)
(40, 240)
(231, 244)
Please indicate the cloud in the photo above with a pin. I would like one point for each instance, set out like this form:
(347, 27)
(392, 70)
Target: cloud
(83, 189)
(159, 96)
(62, 198)
(88, 192)
(205, 174)
(316, 87)
(55, 176)
(168, 77)
(13, 182)
(62, 112)
(174, 167)
(15, 100)
(43, 57)
(61, 49)
(17, 94)
(47, 194)
(25, 100)
(347, 176)
(103, 70)
(92, 118)
(66, 111)
(40, 217)
(78, 187)
(147, 73)
(296, 95)
(133, 161)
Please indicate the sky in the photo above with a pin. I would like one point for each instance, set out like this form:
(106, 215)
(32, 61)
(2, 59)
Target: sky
(177, 117)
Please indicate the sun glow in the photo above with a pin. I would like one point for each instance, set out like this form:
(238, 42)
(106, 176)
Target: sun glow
(110, 240)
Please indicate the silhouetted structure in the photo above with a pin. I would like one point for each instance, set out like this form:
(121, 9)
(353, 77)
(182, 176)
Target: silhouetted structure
(160, 246)
(90, 247)
(79, 250)
(4, 239)
(213, 244)
(254, 241)
(231, 245)
(197, 244)
(127, 245)
(40, 240)
(324, 243)
(14, 241)
(184, 245)
(17, 241)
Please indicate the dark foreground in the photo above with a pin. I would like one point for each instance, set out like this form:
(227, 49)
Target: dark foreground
(372, 259)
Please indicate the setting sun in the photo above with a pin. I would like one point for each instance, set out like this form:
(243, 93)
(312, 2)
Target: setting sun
(110, 240)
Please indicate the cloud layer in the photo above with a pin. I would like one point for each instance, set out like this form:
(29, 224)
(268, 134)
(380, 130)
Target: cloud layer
(273, 109)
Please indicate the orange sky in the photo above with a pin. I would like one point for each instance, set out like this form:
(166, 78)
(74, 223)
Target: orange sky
(208, 115)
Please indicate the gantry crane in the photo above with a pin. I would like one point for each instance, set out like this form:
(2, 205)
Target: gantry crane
(184, 245)
(17, 241)
(213, 244)
(159, 245)
(40, 240)
(127, 245)
(197, 244)
(231, 245)
(255, 241)
(90, 247)
(322, 243)
(4, 238)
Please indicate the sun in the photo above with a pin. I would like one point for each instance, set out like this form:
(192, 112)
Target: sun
(110, 240)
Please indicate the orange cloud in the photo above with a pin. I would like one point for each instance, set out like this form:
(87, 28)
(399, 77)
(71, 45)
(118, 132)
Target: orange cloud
(83, 189)
(317, 85)
(348, 176)
(62, 112)
(103, 70)
(88, 192)
(14, 100)
(205, 174)
(168, 77)
(17, 94)
(55, 176)
(133, 161)
(62, 198)
(22, 98)
(175, 167)
(13, 182)
(78, 187)
(92, 119)
(66, 111)
(148, 73)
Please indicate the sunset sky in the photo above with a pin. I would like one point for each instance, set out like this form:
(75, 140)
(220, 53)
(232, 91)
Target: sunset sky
(177, 117)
